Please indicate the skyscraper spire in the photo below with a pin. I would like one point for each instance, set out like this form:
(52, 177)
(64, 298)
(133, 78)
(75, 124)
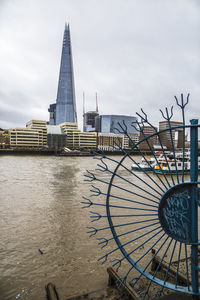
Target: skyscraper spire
(65, 107)
(97, 109)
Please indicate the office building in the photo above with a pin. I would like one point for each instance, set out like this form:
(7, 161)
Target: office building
(4, 139)
(149, 143)
(130, 140)
(89, 121)
(110, 123)
(75, 139)
(41, 126)
(25, 138)
(177, 134)
(56, 139)
(110, 141)
(64, 110)
(89, 117)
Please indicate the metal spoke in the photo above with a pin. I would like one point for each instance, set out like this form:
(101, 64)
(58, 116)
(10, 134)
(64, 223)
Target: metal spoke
(150, 209)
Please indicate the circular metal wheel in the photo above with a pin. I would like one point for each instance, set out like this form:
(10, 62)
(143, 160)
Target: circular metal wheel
(150, 201)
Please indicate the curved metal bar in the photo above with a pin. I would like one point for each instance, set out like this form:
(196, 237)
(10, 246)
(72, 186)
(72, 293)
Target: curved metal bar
(103, 241)
(88, 202)
(182, 105)
(167, 117)
(136, 128)
(93, 177)
(118, 262)
(93, 230)
(103, 168)
(146, 119)
(96, 216)
(96, 190)
(152, 223)
(90, 175)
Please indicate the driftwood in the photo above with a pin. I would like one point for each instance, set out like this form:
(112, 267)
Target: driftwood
(51, 292)
(113, 277)
(172, 271)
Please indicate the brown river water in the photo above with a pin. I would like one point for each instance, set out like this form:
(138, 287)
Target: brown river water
(40, 209)
(43, 226)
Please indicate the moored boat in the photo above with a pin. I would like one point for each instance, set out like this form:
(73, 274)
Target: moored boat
(149, 163)
(181, 164)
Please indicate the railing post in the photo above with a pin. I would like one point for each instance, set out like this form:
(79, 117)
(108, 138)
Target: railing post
(194, 204)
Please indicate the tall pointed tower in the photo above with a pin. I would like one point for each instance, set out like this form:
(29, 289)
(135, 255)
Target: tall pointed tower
(65, 108)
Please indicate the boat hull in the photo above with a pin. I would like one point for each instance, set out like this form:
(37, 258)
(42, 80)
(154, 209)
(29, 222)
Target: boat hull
(171, 171)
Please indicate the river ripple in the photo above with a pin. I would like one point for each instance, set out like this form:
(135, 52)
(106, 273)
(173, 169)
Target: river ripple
(40, 209)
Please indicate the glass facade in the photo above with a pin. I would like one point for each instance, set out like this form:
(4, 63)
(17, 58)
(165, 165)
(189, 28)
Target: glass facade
(89, 121)
(65, 107)
(109, 123)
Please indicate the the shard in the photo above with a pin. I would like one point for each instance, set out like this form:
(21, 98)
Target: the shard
(64, 110)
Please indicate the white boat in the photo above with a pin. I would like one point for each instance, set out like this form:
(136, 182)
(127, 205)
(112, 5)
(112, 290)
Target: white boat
(149, 163)
(179, 165)
(166, 164)
(171, 166)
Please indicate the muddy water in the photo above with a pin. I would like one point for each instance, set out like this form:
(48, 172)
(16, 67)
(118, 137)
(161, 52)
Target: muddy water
(43, 226)
(40, 210)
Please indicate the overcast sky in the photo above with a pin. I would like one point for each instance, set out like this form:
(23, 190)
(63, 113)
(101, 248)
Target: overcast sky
(133, 53)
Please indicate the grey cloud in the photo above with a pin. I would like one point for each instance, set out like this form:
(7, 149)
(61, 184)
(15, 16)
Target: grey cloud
(133, 53)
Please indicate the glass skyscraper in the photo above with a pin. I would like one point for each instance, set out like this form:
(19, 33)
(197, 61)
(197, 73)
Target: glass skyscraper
(64, 110)
(110, 123)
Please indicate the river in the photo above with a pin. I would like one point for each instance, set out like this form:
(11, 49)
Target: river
(40, 210)
(43, 225)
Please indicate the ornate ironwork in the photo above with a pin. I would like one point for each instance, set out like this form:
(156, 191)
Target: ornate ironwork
(140, 210)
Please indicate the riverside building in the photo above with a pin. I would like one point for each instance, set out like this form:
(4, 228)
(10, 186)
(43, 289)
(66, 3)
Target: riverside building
(4, 139)
(25, 138)
(40, 126)
(56, 139)
(75, 139)
(150, 142)
(89, 117)
(111, 123)
(89, 121)
(32, 137)
(177, 134)
(110, 141)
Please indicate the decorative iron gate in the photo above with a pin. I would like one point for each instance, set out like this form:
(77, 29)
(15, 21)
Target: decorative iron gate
(151, 205)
